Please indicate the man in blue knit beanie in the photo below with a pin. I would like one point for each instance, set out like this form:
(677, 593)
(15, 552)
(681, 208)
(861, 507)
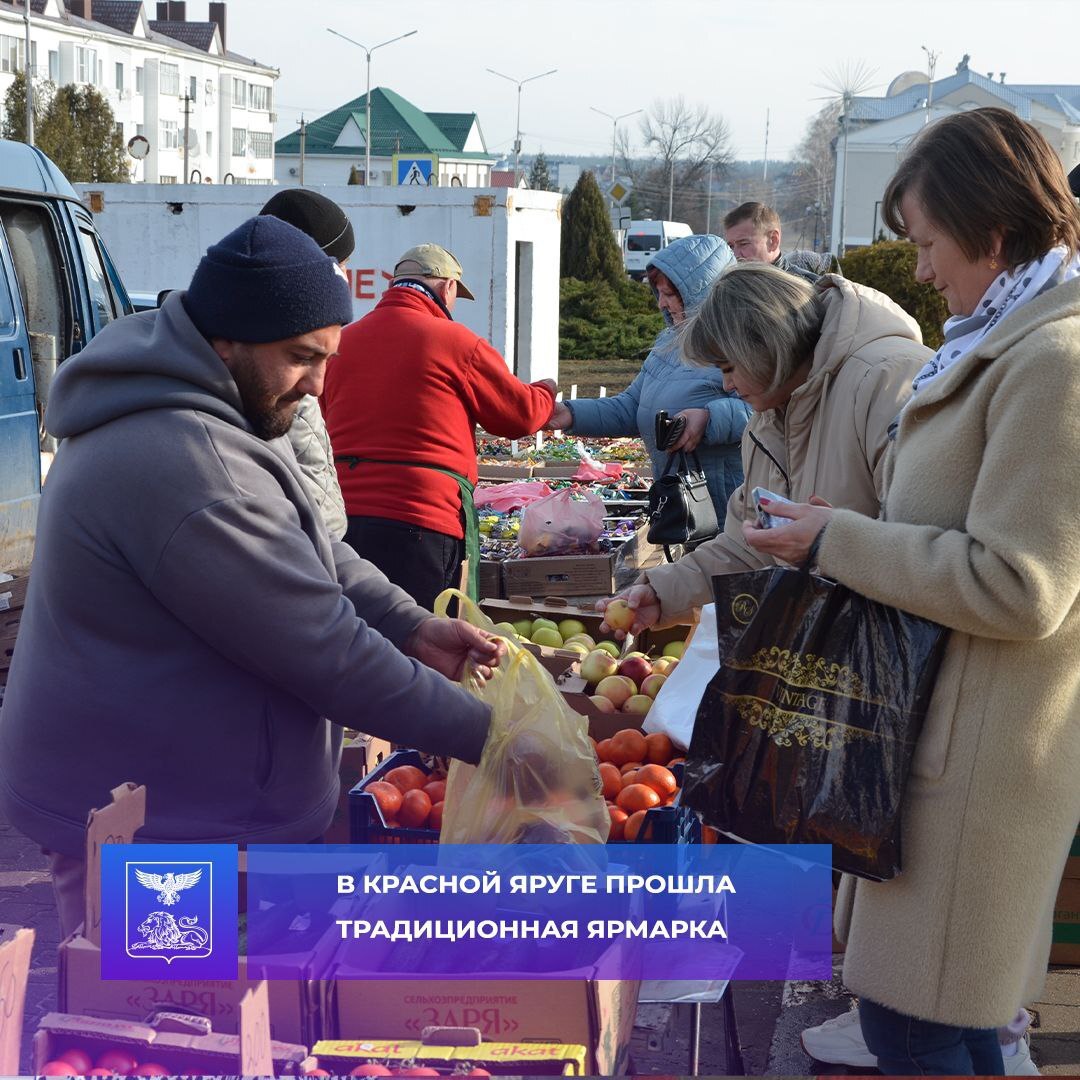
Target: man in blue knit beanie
(190, 623)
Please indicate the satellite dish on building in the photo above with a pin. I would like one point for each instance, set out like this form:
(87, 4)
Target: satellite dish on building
(905, 82)
(138, 147)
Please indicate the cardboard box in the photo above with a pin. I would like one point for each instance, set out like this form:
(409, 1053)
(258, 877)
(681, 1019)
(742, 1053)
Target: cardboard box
(489, 580)
(82, 991)
(598, 1014)
(184, 1044)
(1066, 940)
(502, 473)
(582, 575)
(339, 1056)
(16, 945)
(12, 601)
(1072, 864)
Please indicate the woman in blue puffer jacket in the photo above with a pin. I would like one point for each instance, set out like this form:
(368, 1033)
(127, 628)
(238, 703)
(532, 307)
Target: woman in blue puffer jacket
(680, 276)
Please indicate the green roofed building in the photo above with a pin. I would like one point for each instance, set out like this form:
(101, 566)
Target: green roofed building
(408, 146)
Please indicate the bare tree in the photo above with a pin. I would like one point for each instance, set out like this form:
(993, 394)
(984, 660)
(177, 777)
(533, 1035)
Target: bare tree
(685, 146)
(806, 199)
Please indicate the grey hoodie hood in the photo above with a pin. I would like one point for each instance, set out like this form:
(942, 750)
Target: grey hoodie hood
(153, 360)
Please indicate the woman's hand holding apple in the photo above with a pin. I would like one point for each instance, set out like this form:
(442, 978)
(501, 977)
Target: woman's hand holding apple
(631, 611)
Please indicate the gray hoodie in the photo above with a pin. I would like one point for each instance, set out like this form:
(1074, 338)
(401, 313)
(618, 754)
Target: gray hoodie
(189, 620)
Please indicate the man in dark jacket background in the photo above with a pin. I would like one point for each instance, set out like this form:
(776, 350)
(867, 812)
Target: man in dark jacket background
(753, 232)
(190, 623)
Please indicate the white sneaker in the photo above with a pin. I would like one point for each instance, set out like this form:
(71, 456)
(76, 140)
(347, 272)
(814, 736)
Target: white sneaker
(839, 1041)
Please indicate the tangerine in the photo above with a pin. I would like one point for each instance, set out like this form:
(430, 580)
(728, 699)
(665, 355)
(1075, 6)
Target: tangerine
(435, 790)
(415, 807)
(676, 761)
(434, 820)
(387, 797)
(661, 780)
(627, 745)
(660, 748)
(609, 777)
(629, 777)
(603, 749)
(618, 822)
(636, 797)
(629, 766)
(407, 778)
(633, 823)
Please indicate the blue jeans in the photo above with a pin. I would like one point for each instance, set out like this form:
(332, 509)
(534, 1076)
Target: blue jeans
(907, 1046)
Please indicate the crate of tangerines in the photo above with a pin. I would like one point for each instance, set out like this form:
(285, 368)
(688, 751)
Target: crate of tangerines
(641, 777)
(400, 802)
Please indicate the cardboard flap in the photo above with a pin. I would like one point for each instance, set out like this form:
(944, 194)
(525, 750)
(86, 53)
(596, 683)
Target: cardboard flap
(451, 1036)
(14, 969)
(113, 824)
(256, 1058)
(181, 1023)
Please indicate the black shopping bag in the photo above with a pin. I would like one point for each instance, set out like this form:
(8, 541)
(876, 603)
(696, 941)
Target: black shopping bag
(806, 733)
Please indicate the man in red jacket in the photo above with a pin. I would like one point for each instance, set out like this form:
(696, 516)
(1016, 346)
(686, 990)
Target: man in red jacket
(402, 399)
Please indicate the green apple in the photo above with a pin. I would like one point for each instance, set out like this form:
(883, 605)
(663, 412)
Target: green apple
(569, 627)
(523, 626)
(550, 624)
(547, 635)
(506, 629)
(609, 647)
(576, 647)
(675, 649)
(581, 639)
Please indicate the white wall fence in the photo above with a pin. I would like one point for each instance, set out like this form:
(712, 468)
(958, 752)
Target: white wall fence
(506, 241)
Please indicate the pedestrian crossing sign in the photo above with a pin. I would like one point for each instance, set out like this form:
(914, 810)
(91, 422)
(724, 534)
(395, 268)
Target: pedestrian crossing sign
(416, 170)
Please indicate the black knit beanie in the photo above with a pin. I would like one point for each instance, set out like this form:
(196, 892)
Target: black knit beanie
(267, 281)
(321, 218)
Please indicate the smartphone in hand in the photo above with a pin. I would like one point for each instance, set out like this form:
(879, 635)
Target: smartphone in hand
(765, 519)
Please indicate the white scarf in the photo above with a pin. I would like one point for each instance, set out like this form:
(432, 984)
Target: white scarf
(1009, 291)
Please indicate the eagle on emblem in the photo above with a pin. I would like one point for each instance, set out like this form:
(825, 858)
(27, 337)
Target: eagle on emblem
(170, 885)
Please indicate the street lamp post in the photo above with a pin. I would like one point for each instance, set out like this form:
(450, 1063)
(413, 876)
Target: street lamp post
(614, 125)
(367, 96)
(29, 82)
(517, 136)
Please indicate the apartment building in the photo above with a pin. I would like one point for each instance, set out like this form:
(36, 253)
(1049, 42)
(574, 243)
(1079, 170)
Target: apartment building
(162, 75)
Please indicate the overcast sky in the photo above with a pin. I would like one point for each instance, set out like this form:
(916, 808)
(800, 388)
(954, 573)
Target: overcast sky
(740, 58)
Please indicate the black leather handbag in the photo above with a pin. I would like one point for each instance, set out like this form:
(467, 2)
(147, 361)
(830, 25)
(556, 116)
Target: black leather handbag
(681, 509)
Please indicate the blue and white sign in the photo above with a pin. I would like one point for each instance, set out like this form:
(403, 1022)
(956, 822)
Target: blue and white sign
(168, 911)
(415, 170)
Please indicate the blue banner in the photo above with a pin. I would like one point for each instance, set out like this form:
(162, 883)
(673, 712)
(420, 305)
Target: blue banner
(620, 911)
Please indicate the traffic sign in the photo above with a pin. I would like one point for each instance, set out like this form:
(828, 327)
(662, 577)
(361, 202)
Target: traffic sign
(619, 191)
(416, 170)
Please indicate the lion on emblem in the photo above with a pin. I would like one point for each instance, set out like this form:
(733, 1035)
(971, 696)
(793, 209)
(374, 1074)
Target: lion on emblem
(162, 931)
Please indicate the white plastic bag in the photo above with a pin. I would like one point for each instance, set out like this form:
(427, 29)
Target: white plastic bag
(676, 705)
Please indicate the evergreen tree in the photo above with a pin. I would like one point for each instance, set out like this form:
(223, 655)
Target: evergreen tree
(354, 176)
(74, 125)
(539, 176)
(589, 251)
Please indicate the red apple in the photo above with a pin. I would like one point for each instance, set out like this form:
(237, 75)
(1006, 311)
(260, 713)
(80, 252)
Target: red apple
(59, 1068)
(637, 703)
(77, 1057)
(118, 1062)
(664, 665)
(652, 684)
(598, 665)
(616, 688)
(635, 668)
(602, 703)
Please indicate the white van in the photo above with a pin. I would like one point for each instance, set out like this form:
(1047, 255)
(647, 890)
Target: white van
(644, 239)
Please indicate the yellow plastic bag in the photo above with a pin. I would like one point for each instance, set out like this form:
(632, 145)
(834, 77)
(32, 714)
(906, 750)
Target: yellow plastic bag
(538, 780)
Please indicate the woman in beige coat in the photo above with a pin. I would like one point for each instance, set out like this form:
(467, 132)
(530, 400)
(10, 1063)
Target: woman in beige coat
(825, 368)
(980, 533)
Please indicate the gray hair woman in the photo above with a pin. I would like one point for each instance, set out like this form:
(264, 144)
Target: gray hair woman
(825, 369)
(979, 534)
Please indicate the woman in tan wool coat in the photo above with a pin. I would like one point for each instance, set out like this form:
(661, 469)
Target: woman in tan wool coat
(980, 532)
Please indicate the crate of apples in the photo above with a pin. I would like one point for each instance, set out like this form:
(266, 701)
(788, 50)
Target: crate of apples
(400, 802)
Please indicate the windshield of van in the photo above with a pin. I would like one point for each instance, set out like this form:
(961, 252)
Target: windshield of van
(643, 242)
